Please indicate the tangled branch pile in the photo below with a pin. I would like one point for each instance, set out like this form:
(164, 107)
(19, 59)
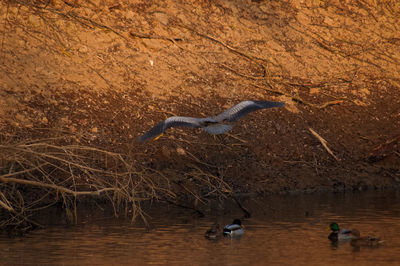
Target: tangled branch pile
(44, 172)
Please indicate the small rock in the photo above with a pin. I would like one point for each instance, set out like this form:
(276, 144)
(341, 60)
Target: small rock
(180, 151)
(162, 18)
(83, 49)
(20, 117)
(166, 152)
(35, 20)
(130, 14)
(96, 3)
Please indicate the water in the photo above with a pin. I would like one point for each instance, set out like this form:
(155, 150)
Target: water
(283, 230)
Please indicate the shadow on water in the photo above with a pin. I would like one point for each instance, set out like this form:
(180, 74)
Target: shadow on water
(283, 230)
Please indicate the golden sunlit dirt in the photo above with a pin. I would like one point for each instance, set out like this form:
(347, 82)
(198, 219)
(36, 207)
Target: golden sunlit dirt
(101, 73)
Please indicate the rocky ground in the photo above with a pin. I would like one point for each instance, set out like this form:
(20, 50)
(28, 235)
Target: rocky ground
(101, 73)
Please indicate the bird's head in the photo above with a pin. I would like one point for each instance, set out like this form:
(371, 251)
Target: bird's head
(334, 227)
(237, 221)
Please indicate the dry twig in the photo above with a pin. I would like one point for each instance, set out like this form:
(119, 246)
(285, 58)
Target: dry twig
(324, 143)
(297, 98)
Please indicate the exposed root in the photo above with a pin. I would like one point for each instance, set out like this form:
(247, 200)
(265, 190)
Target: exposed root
(324, 143)
(249, 57)
(297, 98)
(383, 150)
(157, 37)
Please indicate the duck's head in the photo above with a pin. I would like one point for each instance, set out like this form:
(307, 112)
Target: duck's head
(334, 227)
(215, 227)
(237, 221)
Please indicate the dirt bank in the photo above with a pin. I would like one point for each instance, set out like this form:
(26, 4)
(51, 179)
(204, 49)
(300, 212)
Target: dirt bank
(81, 80)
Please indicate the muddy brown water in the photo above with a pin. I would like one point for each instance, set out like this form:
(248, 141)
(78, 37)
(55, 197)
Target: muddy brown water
(283, 230)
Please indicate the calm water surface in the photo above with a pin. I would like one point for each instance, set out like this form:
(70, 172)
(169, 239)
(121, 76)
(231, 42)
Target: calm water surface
(283, 230)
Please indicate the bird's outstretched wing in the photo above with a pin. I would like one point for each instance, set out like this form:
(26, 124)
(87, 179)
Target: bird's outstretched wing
(174, 121)
(243, 108)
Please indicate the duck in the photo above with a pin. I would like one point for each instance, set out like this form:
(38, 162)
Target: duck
(338, 234)
(235, 229)
(214, 233)
(365, 241)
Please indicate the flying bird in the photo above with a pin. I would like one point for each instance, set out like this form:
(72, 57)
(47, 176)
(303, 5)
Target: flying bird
(213, 125)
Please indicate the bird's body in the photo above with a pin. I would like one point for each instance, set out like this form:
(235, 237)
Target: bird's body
(234, 230)
(339, 234)
(213, 125)
(365, 241)
(214, 233)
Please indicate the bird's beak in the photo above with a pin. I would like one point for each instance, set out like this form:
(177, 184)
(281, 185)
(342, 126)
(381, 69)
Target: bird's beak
(159, 136)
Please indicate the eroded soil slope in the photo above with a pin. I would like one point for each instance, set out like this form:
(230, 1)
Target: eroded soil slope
(105, 72)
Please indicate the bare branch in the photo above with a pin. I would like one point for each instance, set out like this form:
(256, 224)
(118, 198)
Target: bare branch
(324, 143)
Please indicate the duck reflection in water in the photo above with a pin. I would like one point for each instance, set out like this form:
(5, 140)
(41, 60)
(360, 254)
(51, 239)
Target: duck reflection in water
(359, 241)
